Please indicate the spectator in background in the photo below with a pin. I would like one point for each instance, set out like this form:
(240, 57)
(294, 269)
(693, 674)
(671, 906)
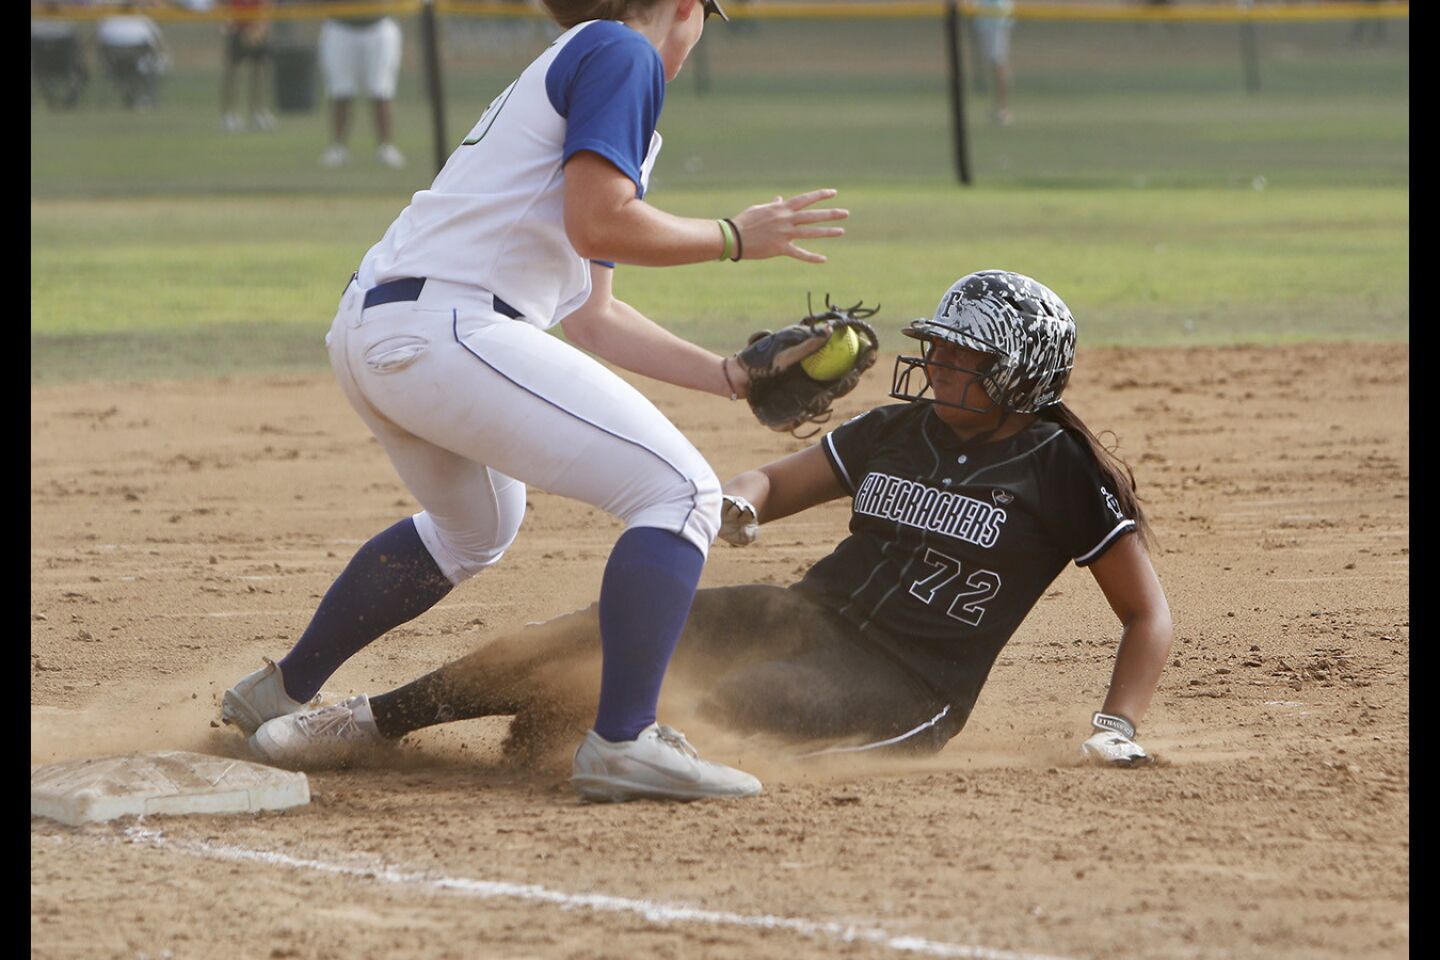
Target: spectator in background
(134, 54)
(360, 55)
(57, 61)
(993, 21)
(1172, 27)
(1374, 28)
(247, 41)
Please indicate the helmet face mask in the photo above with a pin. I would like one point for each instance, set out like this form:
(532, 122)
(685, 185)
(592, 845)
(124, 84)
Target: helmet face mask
(977, 397)
(1021, 324)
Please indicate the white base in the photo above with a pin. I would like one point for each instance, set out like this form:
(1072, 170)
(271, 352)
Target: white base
(167, 783)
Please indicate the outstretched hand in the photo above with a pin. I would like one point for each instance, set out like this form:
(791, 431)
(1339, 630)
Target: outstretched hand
(771, 229)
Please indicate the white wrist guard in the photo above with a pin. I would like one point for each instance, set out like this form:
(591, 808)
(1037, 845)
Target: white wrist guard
(739, 524)
(1110, 721)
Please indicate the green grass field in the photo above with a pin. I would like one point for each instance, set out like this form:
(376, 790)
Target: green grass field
(1141, 182)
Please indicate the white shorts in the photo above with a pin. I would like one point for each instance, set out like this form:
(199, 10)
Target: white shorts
(471, 406)
(993, 35)
(358, 60)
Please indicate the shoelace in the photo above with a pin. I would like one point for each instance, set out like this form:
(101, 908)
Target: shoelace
(676, 739)
(337, 721)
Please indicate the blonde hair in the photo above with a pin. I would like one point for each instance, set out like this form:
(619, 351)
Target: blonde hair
(567, 13)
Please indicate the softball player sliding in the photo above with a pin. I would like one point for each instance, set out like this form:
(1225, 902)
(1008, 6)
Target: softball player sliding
(439, 344)
(967, 501)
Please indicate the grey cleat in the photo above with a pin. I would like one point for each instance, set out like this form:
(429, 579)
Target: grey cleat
(659, 764)
(258, 697)
(331, 736)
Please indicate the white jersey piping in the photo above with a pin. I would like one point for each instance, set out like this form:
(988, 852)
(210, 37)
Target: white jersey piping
(883, 743)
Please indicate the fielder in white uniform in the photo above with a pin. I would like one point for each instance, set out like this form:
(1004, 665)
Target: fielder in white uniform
(440, 345)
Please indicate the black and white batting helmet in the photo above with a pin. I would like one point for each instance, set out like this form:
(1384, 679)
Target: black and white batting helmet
(1018, 321)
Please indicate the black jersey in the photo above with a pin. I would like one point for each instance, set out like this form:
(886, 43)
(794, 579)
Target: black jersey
(951, 544)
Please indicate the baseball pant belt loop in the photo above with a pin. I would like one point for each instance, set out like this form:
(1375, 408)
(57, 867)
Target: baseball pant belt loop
(409, 288)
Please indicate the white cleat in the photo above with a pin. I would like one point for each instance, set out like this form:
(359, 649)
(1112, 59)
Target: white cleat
(258, 697)
(335, 155)
(659, 764)
(329, 737)
(390, 155)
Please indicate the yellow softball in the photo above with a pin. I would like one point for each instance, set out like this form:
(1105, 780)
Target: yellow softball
(834, 360)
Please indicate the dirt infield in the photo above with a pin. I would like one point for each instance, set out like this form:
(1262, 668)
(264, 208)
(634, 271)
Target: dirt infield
(180, 531)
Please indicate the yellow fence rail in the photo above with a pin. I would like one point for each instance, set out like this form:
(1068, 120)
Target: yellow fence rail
(764, 10)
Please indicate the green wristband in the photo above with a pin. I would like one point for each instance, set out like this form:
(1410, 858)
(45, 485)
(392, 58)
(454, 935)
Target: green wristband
(739, 245)
(728, 237)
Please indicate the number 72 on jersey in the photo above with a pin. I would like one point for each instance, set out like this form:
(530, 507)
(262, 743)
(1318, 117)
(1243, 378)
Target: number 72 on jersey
(967, 606)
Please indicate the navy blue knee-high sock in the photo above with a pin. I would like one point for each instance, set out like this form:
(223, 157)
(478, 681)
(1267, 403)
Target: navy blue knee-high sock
(645, 597)
(391, 580)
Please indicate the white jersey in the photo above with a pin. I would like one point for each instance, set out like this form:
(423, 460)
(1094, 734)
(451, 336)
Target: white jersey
(494, 217)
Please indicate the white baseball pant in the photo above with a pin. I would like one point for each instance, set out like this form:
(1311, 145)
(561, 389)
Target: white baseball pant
(471, 405)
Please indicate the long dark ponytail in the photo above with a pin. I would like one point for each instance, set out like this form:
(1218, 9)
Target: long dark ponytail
(1115, 470)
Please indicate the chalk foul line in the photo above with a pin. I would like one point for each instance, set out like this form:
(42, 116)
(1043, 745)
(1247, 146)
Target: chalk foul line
(653, 911)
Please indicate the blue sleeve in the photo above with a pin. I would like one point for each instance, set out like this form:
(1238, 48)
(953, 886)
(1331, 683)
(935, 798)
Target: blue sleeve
(609, 85)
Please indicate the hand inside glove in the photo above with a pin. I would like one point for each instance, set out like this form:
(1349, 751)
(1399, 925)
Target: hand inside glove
(781, 394)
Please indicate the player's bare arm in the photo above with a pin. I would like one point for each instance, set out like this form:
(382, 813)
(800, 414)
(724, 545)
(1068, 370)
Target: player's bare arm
(605, 220)
(1128, 580)
(787, 486)
(615, 331)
